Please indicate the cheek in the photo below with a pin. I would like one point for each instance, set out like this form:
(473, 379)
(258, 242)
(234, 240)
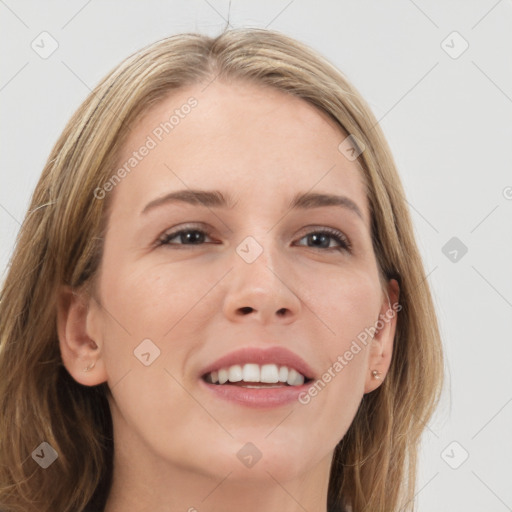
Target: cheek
(149, 300)
(157, 306)
(151, 410)
(346, 302)
(162, 303)
(347, 305)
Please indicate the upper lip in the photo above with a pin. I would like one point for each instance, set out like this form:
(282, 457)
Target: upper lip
(274, 355)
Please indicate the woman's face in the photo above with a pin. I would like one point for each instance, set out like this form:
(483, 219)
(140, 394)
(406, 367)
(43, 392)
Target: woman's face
(216, 256)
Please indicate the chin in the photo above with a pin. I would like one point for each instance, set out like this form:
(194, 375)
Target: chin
(255, 454)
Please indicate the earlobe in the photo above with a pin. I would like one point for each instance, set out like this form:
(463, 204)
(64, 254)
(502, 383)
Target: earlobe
(81, 354)
(381, 350)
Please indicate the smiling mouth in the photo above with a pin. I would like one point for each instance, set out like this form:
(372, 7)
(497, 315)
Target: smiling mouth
(255, 376)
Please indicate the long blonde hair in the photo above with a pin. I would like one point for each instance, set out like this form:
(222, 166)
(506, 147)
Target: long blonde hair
(60, 242)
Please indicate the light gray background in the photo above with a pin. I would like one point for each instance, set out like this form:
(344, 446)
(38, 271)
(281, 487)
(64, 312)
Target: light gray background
(448, 121)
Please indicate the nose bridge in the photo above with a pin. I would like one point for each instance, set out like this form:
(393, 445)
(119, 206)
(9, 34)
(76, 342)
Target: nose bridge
(259, 285)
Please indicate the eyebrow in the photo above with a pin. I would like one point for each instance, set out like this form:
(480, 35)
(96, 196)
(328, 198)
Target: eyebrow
(216, 199)
(317, 200)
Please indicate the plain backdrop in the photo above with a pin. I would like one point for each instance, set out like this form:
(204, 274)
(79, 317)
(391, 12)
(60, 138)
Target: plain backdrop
(438, 76)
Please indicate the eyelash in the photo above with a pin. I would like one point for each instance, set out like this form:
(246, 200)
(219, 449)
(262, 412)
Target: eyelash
(345, 244)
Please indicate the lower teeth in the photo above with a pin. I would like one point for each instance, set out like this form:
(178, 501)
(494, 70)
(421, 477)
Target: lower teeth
(260, 387)
(252, 385)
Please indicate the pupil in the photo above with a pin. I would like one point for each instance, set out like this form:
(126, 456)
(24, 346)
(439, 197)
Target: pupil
(324, 242)
(192, 236)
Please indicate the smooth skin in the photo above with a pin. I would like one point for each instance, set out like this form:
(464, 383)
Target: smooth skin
(197, 299)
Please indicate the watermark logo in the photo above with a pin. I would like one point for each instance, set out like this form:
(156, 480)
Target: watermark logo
(146, 352)
(45, 455)
(455, 455)
(454, 249)
(249, 455)
(44, 45)
(454, 45)
(351, 147)
(249, 249)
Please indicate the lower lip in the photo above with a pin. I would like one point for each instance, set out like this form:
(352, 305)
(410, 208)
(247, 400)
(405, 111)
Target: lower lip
(257, 398)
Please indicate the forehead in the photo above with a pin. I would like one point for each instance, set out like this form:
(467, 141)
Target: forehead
(251, 141)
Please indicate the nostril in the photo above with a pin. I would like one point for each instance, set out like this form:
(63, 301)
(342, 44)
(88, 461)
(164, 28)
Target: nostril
(246, 309)
(281, 312)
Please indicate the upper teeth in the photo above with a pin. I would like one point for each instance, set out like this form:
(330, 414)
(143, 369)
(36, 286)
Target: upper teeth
(267, 373)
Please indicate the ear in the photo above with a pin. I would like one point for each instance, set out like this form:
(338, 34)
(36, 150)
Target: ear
(381, 348)
(77, 317)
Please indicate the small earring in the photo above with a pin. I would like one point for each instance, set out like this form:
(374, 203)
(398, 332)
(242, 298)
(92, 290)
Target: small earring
(375, 374)
(90, 367)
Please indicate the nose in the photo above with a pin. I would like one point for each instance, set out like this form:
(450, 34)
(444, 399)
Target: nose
(258, 292)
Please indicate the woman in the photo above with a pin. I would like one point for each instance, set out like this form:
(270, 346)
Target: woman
(216, 300)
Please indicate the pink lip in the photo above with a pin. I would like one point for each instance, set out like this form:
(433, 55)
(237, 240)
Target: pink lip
(275, 355)
(256, 398)
(263, 397)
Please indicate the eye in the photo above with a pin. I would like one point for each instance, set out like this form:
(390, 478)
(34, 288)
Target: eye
(184, 236)
(322, 239)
